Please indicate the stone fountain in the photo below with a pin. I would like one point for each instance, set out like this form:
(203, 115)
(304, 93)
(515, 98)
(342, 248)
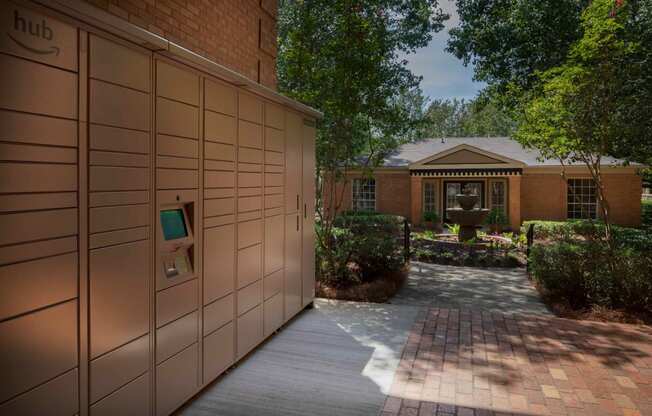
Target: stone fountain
(468, 217)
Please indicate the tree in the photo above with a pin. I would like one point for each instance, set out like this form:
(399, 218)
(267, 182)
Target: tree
(510, 42)
(342, 57)
(460, 118)
(582, 110)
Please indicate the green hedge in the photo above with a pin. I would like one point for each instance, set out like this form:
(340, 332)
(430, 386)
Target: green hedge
(586, 273)
(366, 246)
(646, 213)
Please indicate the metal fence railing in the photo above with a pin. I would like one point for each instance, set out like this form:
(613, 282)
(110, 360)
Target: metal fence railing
(406, 240)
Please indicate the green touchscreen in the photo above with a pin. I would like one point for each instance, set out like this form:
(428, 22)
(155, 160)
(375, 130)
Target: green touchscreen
(173, 224)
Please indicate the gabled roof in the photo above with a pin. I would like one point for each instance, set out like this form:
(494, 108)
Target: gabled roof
(501, 149)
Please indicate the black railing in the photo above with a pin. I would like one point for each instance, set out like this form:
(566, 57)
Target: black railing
(406, 240)
(530, 240)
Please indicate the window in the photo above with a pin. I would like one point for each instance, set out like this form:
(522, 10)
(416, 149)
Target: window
(429, 197)
(364, 194)
(582, 199)
(498, 195)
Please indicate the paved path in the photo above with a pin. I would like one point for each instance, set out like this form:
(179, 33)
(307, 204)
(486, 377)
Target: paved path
(488, 289)
(337, 359)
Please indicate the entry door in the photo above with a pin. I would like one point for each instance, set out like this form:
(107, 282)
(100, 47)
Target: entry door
(452, 188)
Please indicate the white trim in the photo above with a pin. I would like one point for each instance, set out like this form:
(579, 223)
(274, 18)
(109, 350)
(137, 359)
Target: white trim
(507, 162)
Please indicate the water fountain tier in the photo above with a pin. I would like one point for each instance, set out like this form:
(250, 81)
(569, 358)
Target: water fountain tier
(468, 217)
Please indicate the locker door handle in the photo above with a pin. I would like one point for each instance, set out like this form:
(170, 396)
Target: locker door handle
(297, 223)
(305, 210)
(297, 202)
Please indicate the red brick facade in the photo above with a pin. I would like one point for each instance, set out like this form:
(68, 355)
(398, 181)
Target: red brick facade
(239, 34)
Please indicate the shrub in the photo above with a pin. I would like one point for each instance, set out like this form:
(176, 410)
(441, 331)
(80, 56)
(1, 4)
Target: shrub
(453, 228)
(496, 217)
(367, 246)
(586, 273)
(430, 216)
(646, 213)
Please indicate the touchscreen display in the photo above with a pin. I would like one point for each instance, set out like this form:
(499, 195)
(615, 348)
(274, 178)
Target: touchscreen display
(174, 226)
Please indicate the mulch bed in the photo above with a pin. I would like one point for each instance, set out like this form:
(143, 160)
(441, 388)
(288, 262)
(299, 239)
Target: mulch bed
(378, 291)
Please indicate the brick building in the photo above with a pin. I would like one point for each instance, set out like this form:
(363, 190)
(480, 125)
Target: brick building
(427, 175)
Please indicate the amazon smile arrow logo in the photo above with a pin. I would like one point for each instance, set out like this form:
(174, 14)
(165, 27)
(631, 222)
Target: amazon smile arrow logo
(37, 30)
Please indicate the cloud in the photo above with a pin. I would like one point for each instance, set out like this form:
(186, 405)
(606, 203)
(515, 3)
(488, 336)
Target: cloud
(444, 76)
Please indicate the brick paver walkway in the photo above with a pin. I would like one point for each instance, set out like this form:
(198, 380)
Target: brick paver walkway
(466, 363)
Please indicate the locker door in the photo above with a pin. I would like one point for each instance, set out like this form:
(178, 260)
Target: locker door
(308, 234)
(293, 223)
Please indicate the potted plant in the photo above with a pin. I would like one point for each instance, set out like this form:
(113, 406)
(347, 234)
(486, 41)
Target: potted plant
(431, 220)
(496, 220)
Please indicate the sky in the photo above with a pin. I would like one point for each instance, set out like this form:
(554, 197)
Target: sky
(444, 76)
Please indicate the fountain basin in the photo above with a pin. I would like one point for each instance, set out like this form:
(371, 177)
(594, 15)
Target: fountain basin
(468, 220)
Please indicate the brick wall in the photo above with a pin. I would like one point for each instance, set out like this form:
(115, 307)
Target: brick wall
(239, 34)
(624, 195)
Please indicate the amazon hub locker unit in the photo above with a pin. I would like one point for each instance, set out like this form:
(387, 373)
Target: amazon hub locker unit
(156, 216)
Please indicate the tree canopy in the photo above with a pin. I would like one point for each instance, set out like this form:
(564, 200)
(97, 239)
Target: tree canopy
(461, 118)
(342, 57)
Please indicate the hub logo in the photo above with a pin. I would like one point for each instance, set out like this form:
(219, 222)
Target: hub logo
(36, 30)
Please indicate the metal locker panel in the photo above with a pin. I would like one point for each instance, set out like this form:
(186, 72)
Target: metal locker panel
(218, 221)
(293, 292)
(273, 201)
(64, 43)
(249, 167)
(273, 284)
(250, 297)
(217, 151)
(218, 352)
(223, 206)
(115, 218)
(250, 203)
(218, 165)
(219, 128)
(118, 106)
(119, 300)
(249, 265)
(177, 179)
(36, 129)
(250, 216)
(118, 159)
(247, 155)
(112, 238)
(250, 134)
(219, 179)
(177, 84)
(30, 177)
(176, 146)
(32, 285)
(308, 256)
(103, 178)
(248, 180)
(39, 249)
(293, 136)
(274, 116)
(175, 336)
(171, 162)
(275, 169)
(219, 261)
(37, 347)
(249, 233)
(176, 380)
(250, 108)
(117, 368)
(218, 314)
(38, 225)
(220, 97)
(56, 397)
(273, 313)
(274, 229)
(130, 400)
(177, 119)
(275, 190)
(118, 198)
(118, 64)
(274, 140)
(35, 88)
(28, 202)
(115, 139)
(274, 158)
(35, 153)
(219, 193)
(273, 179)
(272, 212)
(176, 301)
(250, 191)
(250, 330)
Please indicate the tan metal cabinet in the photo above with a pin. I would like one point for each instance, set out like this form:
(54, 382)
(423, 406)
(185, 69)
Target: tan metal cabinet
(157, 222)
